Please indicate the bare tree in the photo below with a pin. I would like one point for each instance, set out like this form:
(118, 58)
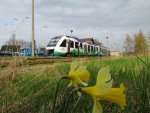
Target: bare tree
(97, 42)
(128, 45)
(14, 41)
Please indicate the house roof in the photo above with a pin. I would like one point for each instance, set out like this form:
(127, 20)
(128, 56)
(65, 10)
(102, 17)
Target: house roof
(91, 40)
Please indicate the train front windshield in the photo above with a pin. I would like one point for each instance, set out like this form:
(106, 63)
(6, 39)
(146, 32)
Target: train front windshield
(53, 42)
(22, 50)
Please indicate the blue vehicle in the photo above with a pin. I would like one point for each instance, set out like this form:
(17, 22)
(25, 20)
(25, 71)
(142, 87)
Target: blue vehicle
(27, 51)
(40, 52)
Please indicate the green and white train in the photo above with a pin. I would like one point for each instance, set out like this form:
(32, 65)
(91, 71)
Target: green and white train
(73, 46)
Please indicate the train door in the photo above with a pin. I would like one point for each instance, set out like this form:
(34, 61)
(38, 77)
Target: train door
(76, 48)
(63, 47)
(89, 51)
(80, 49)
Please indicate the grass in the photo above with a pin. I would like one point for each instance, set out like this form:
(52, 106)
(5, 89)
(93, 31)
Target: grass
(32, 89)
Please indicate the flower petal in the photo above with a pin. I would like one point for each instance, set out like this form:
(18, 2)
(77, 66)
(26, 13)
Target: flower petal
(104, 87)
(84, 75)
(81, 82)
(98, 91)
(97, 108)
(103, 75)
(104, 82)
(80, 69)
(116, 95)
(78, 74)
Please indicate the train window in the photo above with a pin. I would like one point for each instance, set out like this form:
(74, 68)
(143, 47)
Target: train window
(72, 44)
(96, 48)
(88, 48)
(76, 44)
(63, 44)
(100, 49)
(81, 45)
(53, 42)
(91, 48)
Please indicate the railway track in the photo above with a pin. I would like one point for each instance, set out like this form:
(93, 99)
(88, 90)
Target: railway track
(22, 61)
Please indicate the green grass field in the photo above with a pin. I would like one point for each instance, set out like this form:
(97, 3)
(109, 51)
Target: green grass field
(31, 89)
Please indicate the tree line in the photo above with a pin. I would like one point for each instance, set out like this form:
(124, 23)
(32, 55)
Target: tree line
(137, 44)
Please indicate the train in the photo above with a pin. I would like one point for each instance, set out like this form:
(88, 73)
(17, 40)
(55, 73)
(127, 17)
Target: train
(64, 45)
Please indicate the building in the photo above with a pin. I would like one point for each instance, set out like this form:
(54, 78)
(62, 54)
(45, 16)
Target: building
(90, 40)
(115, 53)
(10, 48)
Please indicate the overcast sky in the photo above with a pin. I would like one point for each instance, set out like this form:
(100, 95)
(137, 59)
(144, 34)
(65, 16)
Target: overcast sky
(88, 18)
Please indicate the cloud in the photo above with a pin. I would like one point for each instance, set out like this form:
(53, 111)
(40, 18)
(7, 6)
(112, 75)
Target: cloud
(88, 18)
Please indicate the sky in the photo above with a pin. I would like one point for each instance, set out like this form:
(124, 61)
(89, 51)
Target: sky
(87, 18)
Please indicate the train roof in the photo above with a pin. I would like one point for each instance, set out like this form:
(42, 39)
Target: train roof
(81, 40)
(76, 38)
(59, 36)
(89, 41)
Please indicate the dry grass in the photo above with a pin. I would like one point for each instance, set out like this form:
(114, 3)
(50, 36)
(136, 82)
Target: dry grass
(31, 88)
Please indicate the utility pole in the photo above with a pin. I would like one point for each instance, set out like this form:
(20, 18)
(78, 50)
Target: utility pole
(33, 44)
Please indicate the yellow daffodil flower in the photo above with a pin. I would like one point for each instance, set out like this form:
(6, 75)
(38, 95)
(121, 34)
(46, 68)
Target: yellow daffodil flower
(103, 91)
(116, 95)
(78, 74)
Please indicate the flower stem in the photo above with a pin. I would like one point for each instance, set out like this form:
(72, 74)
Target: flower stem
(53, 109)
(76, 104)
(64, 107)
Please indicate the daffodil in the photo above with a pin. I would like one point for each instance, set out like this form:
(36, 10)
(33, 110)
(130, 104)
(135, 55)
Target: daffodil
(78, 74)
(103, 91)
